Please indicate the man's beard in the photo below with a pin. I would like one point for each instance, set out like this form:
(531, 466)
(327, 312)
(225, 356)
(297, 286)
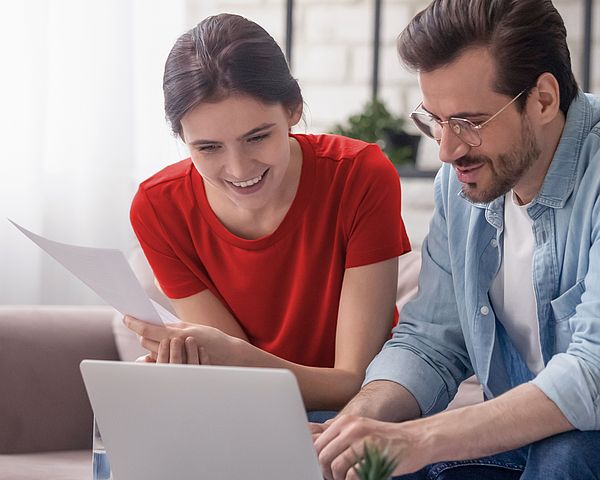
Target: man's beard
(508, 169)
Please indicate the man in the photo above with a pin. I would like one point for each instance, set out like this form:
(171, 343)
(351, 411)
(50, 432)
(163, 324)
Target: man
(510, 282)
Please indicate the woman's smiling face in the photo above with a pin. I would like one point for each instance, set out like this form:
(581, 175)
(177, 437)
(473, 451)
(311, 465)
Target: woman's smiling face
(241, 148)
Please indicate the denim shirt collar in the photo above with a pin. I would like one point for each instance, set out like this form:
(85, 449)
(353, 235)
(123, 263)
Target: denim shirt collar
(560, 178)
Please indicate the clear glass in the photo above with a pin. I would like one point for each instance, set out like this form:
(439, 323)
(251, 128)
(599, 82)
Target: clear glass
(100, 464)
(463, 128)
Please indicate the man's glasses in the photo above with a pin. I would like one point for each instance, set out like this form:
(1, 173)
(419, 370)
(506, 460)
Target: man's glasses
(464, 129)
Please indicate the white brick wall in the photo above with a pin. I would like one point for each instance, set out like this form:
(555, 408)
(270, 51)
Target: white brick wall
(332, 48)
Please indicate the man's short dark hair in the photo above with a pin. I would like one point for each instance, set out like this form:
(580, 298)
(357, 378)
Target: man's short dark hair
(526, 38)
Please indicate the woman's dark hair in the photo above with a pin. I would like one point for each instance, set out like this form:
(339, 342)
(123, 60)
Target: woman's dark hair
(226, 54)
(525, 37)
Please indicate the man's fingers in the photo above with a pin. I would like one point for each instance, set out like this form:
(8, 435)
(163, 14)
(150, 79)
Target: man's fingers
(352, 475)
(332, 461)
(334, 446)
(316, 427)
(331, 430)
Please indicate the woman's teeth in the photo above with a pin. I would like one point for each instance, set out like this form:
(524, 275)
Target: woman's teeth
(248, 183)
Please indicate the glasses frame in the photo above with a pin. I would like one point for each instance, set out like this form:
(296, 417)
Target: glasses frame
(475, 126)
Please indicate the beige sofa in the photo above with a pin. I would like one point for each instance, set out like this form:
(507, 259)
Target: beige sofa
(45, 417)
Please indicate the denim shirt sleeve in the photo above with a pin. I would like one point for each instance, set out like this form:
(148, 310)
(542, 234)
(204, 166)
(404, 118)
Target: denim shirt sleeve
(571, 379)
(427, 353)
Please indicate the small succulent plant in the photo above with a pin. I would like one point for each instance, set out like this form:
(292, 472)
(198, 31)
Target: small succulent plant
(375, 464)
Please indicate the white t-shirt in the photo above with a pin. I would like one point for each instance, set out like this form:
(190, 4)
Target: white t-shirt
(512, 294)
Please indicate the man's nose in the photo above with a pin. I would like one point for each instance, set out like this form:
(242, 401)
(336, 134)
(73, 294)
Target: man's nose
(451, 146)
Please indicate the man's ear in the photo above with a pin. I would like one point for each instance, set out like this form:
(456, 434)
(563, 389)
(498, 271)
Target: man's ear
(544, 98)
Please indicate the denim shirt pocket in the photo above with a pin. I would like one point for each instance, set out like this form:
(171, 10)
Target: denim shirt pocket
(563, 308)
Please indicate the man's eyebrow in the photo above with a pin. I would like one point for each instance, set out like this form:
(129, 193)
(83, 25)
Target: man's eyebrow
(465, 115)
(249, 133)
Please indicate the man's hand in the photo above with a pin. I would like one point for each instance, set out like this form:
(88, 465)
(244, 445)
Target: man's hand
(340, 441)
(340, 445)
(316, 429)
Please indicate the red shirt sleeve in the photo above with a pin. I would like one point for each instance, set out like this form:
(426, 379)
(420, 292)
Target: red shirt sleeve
(177, 278)
(375, 228)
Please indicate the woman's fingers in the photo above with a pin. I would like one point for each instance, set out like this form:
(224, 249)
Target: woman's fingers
(164, 351)
(150, 345)
(204, 357)
(168, 345)
(145, 359)
(191, 350)
(177, 351)
(145, 329)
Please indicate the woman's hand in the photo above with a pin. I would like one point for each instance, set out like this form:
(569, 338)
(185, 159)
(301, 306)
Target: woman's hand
(185, 343)
(178, 350)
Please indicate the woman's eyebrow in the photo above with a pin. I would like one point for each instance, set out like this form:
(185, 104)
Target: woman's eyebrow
(254, 131)
(249, 133)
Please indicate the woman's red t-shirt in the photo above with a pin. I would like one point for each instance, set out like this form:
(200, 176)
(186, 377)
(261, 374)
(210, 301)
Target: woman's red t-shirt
(284, 288)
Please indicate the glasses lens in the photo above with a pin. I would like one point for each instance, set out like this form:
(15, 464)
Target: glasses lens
(427, 124)
(465, 130)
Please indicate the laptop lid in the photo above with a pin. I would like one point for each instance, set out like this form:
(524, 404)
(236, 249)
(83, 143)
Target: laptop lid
(184, 422)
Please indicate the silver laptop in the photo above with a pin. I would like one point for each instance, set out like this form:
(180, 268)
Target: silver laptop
(178, 422)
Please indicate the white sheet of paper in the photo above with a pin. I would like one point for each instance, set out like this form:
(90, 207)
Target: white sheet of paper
(107, 272)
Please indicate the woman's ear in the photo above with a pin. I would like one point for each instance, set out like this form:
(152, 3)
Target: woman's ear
(546, 95)
(295, 114)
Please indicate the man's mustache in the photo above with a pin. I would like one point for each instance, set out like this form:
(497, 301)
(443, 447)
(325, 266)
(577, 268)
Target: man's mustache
(469, 161)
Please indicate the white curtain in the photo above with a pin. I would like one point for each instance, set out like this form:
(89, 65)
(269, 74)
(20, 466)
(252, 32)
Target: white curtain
(81, 124)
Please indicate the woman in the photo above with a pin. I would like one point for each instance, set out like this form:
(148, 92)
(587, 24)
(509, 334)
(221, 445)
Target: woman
(276, 249)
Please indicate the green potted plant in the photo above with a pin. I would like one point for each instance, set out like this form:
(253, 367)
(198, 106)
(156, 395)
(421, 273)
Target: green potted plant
(375, 464)
(376, 124)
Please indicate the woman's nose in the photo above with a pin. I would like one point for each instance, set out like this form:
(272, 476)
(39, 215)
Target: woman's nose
(237, 164)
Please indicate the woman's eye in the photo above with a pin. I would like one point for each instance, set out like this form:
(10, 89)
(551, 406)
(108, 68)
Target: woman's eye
(208, 148)
(258, 138)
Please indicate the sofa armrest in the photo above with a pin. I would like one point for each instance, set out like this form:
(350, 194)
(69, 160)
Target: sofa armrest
(44, 405)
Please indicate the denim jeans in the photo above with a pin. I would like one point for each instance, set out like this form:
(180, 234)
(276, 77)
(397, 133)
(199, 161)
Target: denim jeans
(567, 456)
(320, 416)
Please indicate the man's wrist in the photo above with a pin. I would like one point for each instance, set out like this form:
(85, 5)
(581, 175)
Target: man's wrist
(384, 400)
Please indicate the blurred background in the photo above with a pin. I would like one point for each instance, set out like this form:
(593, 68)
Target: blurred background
(82, 120)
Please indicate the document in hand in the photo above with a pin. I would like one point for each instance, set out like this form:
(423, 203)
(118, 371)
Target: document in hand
(107, 272)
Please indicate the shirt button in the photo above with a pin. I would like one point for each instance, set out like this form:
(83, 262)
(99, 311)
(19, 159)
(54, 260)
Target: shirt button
(494, 243)
(484, 310)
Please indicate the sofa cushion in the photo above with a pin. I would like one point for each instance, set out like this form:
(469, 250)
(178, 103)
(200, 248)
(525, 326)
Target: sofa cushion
(44, 405)
(69, 465)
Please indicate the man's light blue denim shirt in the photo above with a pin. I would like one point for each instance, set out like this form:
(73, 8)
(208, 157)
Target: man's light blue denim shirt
(448, 331)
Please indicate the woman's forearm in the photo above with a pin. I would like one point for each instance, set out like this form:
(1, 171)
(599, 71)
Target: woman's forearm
(322, 388)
